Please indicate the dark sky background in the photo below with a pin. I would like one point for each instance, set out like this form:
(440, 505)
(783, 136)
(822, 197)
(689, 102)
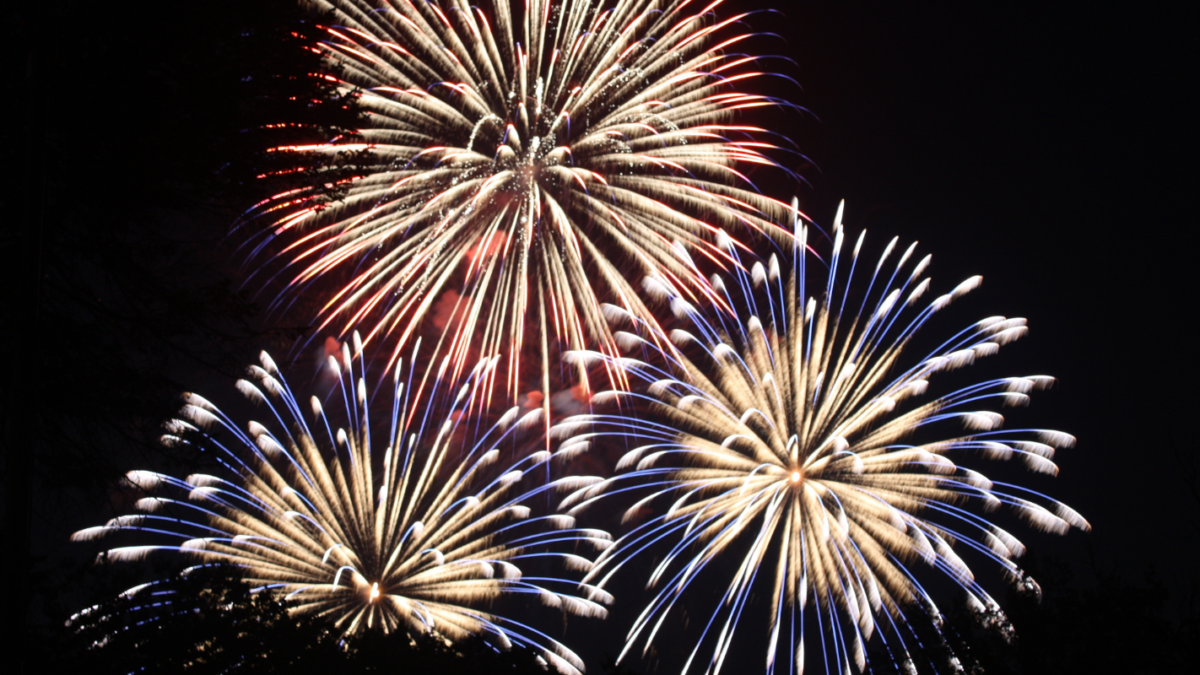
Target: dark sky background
(1045, 146)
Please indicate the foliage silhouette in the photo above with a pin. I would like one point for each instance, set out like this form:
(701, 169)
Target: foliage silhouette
(1114, 625)
(211, 622)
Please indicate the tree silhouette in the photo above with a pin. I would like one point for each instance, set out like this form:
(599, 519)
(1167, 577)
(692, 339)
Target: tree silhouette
(211, 622)
(1054, 626)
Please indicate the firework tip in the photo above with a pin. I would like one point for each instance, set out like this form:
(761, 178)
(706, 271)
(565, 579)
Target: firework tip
(572, 449)
(606, 397)
(250, 391)
(982, 420)
(199, 416)
(198, 401)
(630, 458)
(510, 478)
(264, 377)
(628, 341)
(519, 511)
(614, 314)
(145, 480)
(269, 445)
(582, 357)
(508, 417)
(576, 562)
(1072, 516)
(1041, 518)
(724, 351)
(508, 570)
(203, 480)
(682, 308)
(655, 287)
(150, 504)
(1039, 464)
(921, 266)
(178, 426)
(920, 290)
(681, 251)
(662, 386)
(1041, 381)
(169, 441)
(126, 553)
(92, 533)
(530, 419)
(724, 241)
(758, 273)
(1057, 439)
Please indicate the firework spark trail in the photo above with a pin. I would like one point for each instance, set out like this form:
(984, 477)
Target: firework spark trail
(533, 158)
(421, 539)
(786, 435)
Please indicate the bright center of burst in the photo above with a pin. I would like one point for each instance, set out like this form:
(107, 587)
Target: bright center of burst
(795, 476)
(374, 591)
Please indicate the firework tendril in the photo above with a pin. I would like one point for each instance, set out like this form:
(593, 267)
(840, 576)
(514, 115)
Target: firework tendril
(794, 439)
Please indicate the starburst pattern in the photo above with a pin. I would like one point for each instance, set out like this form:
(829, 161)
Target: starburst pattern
(519, 165)
(421, 537)
(794, 440)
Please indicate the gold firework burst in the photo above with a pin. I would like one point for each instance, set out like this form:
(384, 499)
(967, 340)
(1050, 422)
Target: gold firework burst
(788, 440)
(521, 163)
(422, 537)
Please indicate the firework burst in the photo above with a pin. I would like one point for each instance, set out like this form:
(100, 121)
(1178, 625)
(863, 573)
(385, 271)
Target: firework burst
(422, 537)
(519, 163)
(795, 441)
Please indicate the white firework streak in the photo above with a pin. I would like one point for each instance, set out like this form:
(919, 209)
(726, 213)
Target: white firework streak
(787, 435)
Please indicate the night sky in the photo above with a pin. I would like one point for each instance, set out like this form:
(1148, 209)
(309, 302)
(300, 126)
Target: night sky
(1045, 147)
